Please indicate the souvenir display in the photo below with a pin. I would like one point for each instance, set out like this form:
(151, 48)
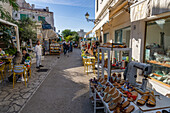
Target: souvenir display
(120, 93)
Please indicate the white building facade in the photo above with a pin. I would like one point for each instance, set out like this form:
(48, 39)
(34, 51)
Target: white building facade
(27, 10)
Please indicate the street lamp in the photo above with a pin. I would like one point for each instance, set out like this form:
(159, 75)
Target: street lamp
(92, 20)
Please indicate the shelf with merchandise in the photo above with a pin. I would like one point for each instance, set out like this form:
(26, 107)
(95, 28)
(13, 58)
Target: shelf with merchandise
(159, 63)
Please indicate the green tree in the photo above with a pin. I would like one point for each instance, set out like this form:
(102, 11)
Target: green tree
(5, 14)
(69, 38)
(70, 35)
(27, 30)
(66, 33)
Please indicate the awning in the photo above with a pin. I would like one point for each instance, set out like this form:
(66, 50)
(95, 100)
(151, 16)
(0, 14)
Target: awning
(49, 34)
(88, 32)
(16, 29)
(118, 8)
(139, 10)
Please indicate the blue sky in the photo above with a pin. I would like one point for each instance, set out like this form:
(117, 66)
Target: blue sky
(69, 14)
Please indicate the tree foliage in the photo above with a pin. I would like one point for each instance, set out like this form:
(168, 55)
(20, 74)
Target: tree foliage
(70, 35)
(27, 29)
(5, 14)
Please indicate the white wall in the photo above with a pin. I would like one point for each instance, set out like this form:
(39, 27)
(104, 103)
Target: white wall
(48, 16)
(137, 40)
(7, 7)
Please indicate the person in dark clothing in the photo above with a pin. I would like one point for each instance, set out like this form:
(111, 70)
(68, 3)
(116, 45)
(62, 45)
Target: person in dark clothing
(25, 56)
(70, 46)
(65, 47)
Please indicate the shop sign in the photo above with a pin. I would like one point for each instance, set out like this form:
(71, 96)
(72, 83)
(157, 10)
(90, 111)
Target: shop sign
(138, 11)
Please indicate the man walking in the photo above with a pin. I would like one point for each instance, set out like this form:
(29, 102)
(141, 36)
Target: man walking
(64, 47)
(38, 52)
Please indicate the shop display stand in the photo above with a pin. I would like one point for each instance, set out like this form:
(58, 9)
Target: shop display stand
(109, 52)
(162, 102)
(55, 49)
(101, 70)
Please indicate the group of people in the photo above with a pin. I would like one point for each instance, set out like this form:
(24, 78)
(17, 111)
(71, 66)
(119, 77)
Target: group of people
(67, 47)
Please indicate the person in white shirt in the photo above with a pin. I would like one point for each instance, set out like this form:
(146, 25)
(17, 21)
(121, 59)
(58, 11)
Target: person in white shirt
(38, 51)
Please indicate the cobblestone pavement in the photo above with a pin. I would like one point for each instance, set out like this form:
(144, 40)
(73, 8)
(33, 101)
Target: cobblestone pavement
(12, 100)
(65, 90)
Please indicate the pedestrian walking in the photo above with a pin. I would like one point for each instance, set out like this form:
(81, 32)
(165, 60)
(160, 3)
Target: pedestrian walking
(70, 46)
(64, 47)
(38, 51)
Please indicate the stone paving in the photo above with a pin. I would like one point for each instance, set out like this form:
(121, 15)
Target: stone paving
(12, 100)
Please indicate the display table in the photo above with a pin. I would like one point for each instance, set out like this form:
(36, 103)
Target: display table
(162, 103)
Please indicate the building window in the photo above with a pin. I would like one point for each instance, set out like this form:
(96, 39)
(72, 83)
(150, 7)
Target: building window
(157, 49)
(97, 5)
(33, 17)
(16, 15)
(23, 16)
(40, 17)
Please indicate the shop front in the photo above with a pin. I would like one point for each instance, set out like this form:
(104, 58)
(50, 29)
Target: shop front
(157, 52)
(150, 36)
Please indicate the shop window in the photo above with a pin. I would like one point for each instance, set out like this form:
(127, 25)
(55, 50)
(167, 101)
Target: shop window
(122, 36)
(106, 37)
(157, 50)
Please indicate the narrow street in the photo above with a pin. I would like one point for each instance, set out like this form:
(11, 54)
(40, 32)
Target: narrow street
(65, 90)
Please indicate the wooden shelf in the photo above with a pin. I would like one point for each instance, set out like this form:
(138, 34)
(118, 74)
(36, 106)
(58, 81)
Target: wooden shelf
(158, 63)
(157, 75)
(160, 82)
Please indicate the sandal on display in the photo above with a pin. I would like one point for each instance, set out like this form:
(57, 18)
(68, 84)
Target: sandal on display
(129, 109)
(112, 106)
(99, 89)
(143, 100)
(125, 104)
(106, 91)
(158, 112)
(151, 100)
(118, 110)
(100, 79)
(111, 92)
(104, 82)
(115, 84)
(134, 95)
(113, 98)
